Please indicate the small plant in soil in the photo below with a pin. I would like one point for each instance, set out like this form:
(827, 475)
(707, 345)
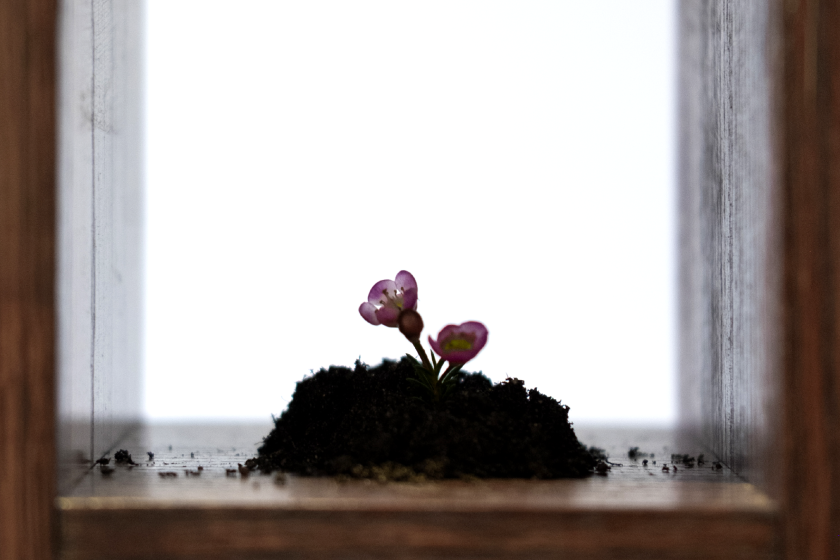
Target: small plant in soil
(393, 303)
(416, 419)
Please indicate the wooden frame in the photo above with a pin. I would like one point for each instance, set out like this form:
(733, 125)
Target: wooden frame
(99, 215)
(27, 278)
(772, 414)
(809, 146)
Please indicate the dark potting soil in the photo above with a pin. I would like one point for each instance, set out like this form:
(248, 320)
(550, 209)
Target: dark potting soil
(368, 422)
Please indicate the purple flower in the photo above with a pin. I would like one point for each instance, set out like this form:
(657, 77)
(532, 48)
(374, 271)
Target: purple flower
(460, 343)
(393, 296)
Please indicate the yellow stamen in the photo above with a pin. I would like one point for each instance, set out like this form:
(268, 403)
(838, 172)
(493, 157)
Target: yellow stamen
(457, 344)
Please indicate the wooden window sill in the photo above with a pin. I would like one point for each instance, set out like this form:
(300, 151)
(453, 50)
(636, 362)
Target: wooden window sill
(644, 512)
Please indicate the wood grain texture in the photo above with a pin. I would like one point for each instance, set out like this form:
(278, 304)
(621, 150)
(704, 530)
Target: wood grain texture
(180, 448)
(811, 184)
(75, 246)
(27, 274)
(100, 227)
(246, 533)
(636, 512)
(761, 342)
(730, 239)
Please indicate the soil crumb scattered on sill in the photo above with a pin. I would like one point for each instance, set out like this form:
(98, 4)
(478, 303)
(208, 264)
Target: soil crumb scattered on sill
(123, 457)
(372, 423)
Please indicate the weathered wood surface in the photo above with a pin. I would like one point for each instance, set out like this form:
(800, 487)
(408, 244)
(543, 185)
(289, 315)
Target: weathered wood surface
(810, 105)
(27, 272)
(760, 241)
(436, 533)
(181, 447)
(634, 512)
(729, 239)
(100, 226)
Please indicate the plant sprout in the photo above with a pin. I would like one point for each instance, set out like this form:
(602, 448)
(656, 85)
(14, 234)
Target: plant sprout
(393, 303)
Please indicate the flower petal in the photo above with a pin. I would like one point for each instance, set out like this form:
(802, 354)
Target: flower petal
(368, 312)
(410, 299)
(388, 316)
(405, 281)
(376, 296)
(435, 346)
(473, 333)
(447, 331)
(477, 329)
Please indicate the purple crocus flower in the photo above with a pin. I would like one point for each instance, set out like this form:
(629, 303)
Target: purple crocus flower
(392, 296)
(460, 343)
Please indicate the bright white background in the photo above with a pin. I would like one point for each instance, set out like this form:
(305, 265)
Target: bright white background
(515, 156)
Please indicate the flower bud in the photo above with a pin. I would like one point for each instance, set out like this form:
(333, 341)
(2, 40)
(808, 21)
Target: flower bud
(411, 324)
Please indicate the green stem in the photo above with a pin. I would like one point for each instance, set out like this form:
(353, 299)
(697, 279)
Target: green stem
(445, 373)
(423, 357)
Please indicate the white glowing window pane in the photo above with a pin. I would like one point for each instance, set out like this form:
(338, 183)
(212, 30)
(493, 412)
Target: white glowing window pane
(515, 156)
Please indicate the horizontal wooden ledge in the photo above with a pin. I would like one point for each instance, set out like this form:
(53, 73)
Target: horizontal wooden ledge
(636, 511)
(502, 496)
(236, 532)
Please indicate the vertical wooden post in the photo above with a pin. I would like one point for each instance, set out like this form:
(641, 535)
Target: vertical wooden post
(811, 189)
(27, 278)
(730, 237)
(100, 225)
(760, 242)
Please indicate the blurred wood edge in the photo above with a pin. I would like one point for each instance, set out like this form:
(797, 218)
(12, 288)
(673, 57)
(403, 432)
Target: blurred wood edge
(636, 509)
(27, 277)
(810, 391)
(172, 531)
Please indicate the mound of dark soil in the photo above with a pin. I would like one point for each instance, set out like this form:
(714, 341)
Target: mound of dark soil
(369, 422)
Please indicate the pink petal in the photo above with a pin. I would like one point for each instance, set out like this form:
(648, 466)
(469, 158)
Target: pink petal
(368, 313)
(376, 296)
(479, 330)
(388, 316)
(435, 346)
(405, 281)
(410, 299)
(474, 328)
(460, 356)
(447, 331)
